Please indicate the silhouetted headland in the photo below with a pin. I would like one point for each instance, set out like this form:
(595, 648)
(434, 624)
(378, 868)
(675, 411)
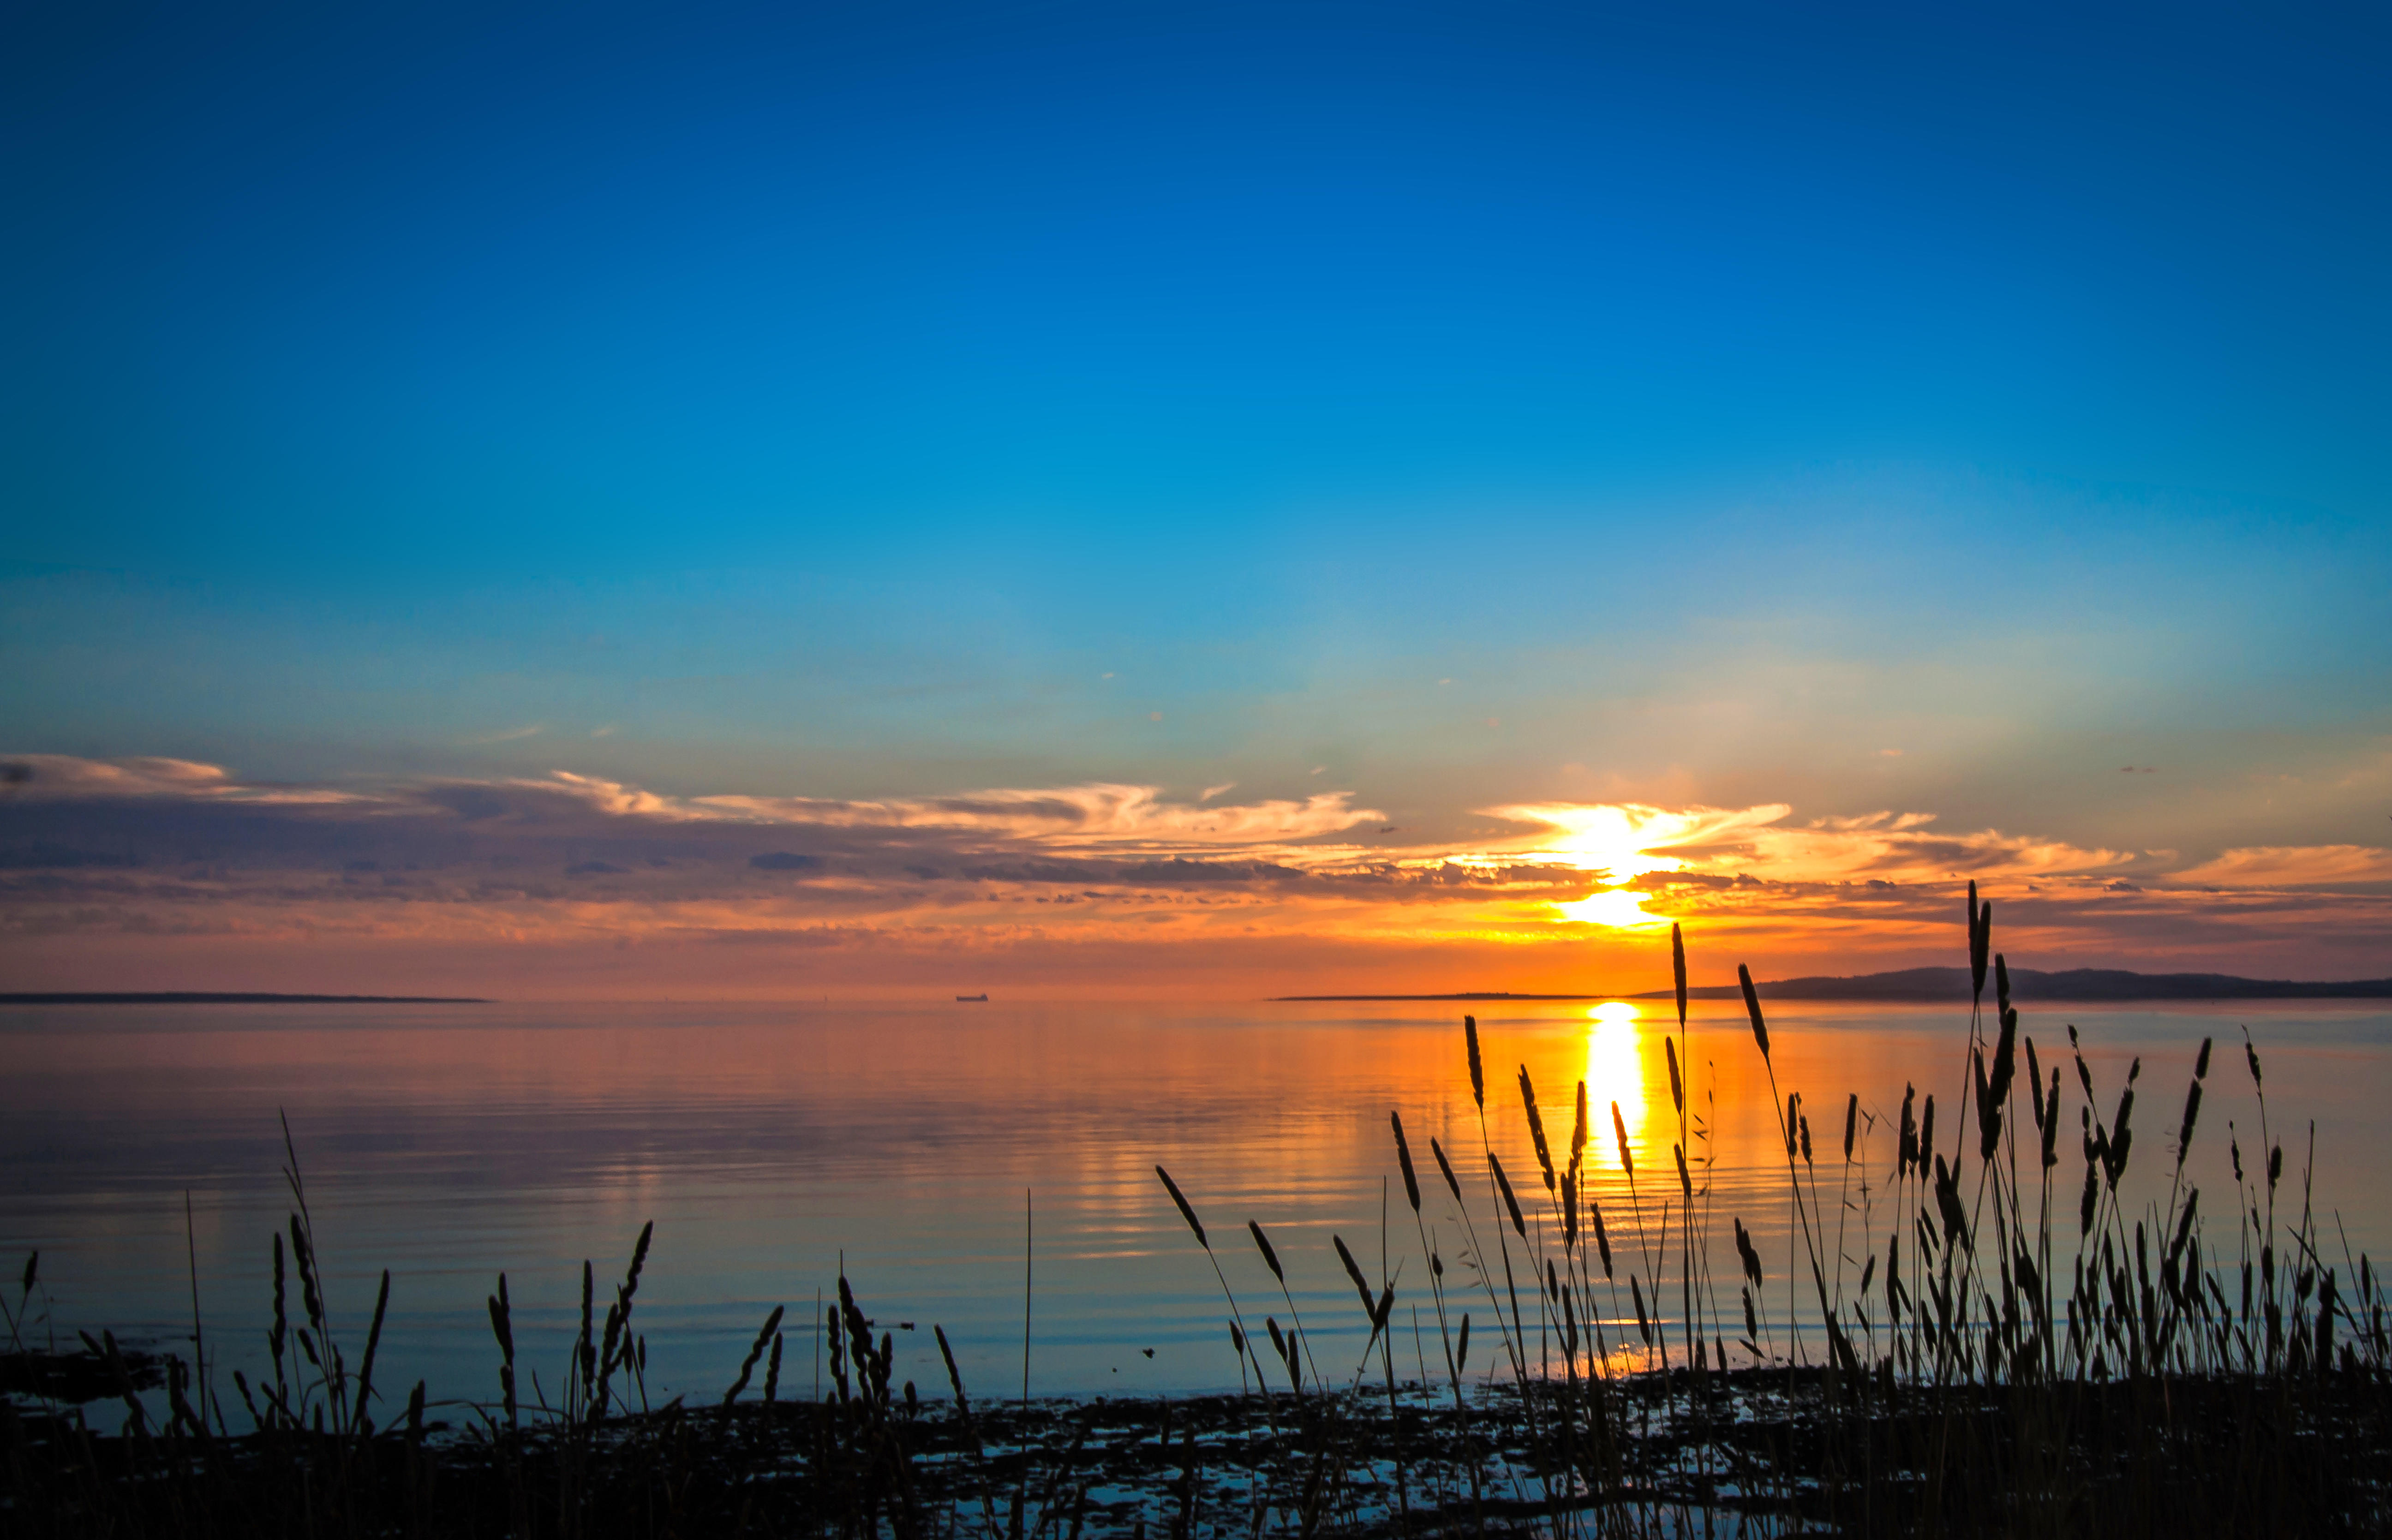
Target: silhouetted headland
(191, 997)
(1949, 986)
(1472, 994)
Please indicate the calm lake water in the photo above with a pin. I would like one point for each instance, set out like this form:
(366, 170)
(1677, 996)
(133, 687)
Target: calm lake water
(448, 1143)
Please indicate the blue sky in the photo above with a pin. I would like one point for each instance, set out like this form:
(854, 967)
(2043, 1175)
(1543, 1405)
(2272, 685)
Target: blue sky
(1454, 407)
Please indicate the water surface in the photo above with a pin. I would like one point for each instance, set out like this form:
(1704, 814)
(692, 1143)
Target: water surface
(449, 1143)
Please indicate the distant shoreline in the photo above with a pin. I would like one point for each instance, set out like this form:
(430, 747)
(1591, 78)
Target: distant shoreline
(1476, 995)
(1955, 987)
(184, 997)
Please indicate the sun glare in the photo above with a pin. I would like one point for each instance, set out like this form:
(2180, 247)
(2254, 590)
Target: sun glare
(1615, 1070)
(1611, 906)
(1615, 841)
(1620, 844)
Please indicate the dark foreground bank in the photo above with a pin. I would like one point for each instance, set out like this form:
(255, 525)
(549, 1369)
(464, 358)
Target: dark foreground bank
(1756, 1451)
(2013, 1361)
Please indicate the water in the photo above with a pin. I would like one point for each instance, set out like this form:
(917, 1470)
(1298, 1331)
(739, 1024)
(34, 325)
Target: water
(448, 1143)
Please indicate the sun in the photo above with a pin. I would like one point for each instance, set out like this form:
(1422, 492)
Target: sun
(1615, 1069)
(1616, 907)
(1618, 843)
(1614, 840)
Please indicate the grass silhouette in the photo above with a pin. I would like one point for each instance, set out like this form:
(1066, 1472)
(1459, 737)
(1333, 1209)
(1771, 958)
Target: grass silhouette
(2020, 1354)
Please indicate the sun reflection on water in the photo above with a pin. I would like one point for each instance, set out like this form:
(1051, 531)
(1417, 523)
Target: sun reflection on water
(1615, 1069)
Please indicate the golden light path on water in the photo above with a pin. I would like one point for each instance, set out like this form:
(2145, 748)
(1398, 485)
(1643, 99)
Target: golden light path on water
(776, 1146)
(1615, 1070)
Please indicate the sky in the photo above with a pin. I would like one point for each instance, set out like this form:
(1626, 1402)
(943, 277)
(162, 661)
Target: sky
(1121, 501)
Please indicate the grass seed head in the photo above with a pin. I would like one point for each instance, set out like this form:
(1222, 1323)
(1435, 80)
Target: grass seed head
(1980, 943)
(1404, 1159)
(1353, 1271)
(1503, 1184)
(1536, 1128)
(1453, 1182)
(1271, 1258)
(2192, 1113)
(1677, 970)
(1185, 1212)
(1907, 1154)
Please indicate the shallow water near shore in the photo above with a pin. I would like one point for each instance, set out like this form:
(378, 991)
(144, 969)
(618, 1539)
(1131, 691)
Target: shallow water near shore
(449, 1143)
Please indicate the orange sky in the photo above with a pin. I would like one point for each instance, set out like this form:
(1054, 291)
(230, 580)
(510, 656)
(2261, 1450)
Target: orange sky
(171, 874)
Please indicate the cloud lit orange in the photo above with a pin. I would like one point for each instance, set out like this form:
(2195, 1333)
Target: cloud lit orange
(1088, 888)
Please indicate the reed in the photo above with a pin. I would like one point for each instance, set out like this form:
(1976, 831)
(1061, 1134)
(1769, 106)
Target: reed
(1973, 1354)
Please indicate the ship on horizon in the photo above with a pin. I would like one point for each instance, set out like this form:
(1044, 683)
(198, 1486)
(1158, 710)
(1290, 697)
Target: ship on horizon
(971, 1000)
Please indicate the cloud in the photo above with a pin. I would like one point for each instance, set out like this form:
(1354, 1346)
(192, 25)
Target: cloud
(190, 804)
(40, 856)
(469, 802)
(139, 850)
(57, 777)
(2291, 866)
(1627, 840)
(1092, 817)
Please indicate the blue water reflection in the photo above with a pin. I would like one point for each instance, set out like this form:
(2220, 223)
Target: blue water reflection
(767, 1142)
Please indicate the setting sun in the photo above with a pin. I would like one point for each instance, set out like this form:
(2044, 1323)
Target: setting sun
(1618, 841)
(906, 654)
(1621, 843)
(1615, 1071)
(1610, 906)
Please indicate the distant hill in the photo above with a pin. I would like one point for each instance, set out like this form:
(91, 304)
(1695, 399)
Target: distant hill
(182, 997)
(1951, 986)
(1474, 994)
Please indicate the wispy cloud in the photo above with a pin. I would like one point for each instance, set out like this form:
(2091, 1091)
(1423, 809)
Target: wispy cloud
(61, 777)
(152, 848)
(1103, 816)
(1627, 840)
(2292, 866)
